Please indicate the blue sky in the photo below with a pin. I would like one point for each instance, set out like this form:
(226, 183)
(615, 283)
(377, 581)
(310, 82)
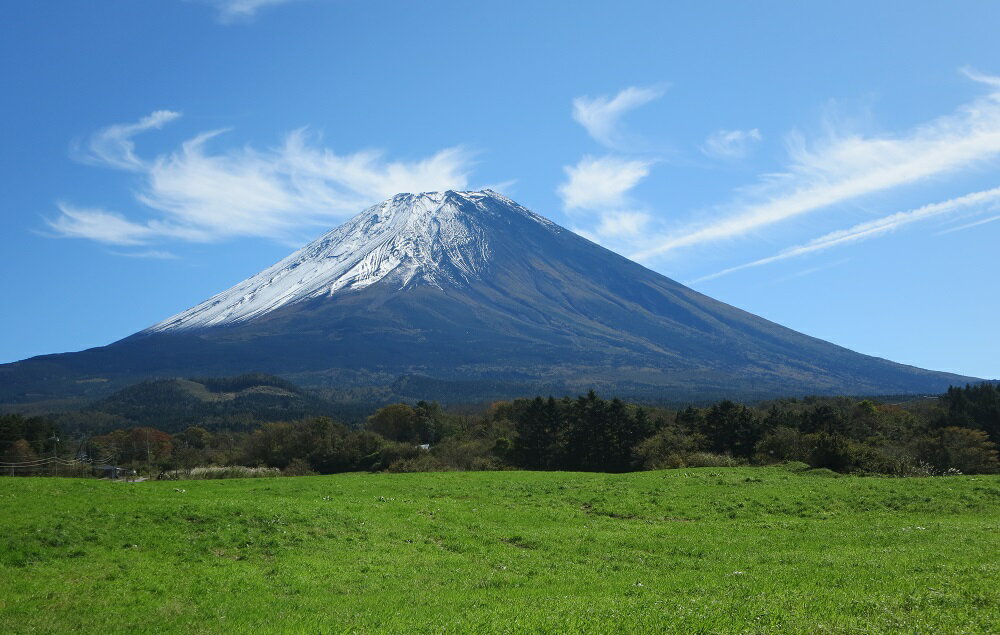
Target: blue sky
(829, 166)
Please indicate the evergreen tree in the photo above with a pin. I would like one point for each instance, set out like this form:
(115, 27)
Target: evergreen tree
(732, 428)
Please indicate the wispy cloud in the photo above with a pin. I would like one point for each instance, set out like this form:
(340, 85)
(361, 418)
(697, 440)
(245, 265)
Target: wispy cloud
(811, 270)
(848, 166)
(99, 225)
(148, 254)
(621, 224)
(601, 116)
(596, 189)
(600, 182)
(968, 225)
(596, 193)
(234, 10)
(730, 144)
(871, 229)
(982, 78)
(113, 146)
(196, 193)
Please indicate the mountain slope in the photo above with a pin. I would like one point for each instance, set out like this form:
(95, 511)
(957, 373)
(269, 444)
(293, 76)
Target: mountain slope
(429, 238)
(468, 286)
(229, 403)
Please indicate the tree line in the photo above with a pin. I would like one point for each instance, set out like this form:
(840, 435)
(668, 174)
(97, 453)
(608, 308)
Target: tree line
(958, 432)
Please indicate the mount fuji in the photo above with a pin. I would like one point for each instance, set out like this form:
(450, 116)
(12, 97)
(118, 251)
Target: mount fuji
(469, 291)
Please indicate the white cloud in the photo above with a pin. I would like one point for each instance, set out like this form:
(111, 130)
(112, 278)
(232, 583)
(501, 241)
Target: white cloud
(596, 192)
(100, 225)
(622, 224)
(596, 183)
(113, 145)
(812, 270)
(150, 254)
(982, 78)
(233, 10)
(730, 144)
(872, 229)
(198, 194)
(600, 115)
(849, 166)
(968, 225)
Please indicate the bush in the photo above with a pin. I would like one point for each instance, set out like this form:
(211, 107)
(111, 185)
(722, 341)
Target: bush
(298, 467)
(708, 459)
(487, 464)
(462, 455)
(795, 466)
(422, 463)
(884, 460)
(964, 449)
(783, 444)
(217, 471)
(397, 453)
(832, 451)
(821, 472)
(666, 449)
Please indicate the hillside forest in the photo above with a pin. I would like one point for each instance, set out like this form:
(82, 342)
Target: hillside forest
(957, 432)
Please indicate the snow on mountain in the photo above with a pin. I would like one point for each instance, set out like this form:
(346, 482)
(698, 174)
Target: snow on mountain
(436, 238)
(468, 296)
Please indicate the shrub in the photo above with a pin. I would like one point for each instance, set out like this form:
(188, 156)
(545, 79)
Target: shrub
(832, 451)
(821, 472)
(218, 471)
(965, 449)
(462, 455)
(885, 459)
(708, 459)
(783, 444)
(298, 467)
(666, 449)
(796, 466)
(423, 463)
(396, 453)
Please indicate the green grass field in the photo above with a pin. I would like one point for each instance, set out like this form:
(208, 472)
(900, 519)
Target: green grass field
(697, 550)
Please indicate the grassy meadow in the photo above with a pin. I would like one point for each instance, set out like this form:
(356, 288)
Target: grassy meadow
(692, 550)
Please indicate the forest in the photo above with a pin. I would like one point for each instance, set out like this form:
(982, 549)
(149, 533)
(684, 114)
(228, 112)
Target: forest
(957, 432)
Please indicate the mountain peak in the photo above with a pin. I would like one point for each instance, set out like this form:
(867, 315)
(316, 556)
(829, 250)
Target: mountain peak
(470, 294)
(436, 238)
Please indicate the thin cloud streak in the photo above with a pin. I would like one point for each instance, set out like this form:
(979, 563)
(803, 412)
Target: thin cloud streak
(869, 229)
(982, 78)
(97, 225)
(601, 116)
(730, 144)
(812, 270)
(847, 167)
(151, 254)
(968, 226)
(230, 11)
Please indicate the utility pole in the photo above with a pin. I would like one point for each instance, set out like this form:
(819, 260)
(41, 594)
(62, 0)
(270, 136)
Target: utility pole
(55, 456)
(149, 459)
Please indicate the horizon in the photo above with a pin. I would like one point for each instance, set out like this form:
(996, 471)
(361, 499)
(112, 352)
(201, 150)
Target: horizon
(776, 159)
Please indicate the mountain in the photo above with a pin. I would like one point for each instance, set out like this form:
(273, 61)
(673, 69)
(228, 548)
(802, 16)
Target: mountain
(471, 291)
(228, 403)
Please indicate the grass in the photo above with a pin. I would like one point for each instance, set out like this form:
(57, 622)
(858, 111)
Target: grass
(694, 551)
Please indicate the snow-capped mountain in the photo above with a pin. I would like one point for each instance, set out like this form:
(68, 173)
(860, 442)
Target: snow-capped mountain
(434, 238)
(468, 295)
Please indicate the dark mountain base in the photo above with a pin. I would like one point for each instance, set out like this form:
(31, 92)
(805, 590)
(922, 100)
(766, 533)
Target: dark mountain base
(480, 299)
(497, 370)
